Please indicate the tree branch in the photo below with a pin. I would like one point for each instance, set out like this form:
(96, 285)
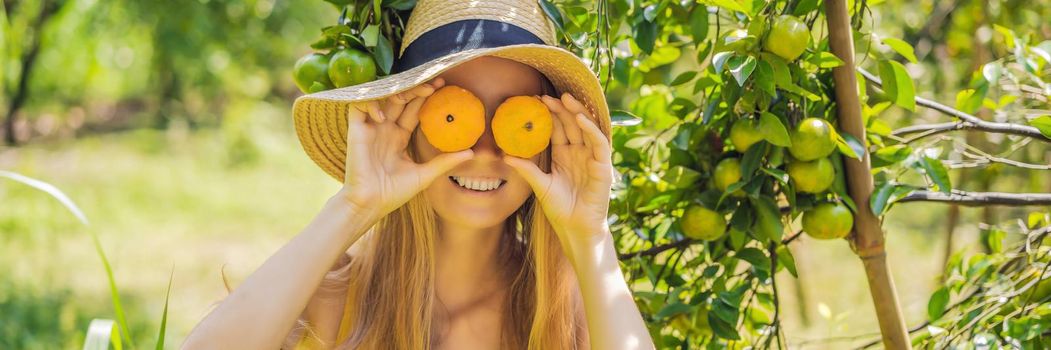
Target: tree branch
(683, 243)
(967, 121)
(978, 199)
(658, 249)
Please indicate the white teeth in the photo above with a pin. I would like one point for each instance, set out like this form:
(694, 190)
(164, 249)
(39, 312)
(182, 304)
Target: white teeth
(478, 184)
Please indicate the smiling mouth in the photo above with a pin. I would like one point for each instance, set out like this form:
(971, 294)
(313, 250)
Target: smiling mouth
(476, 184)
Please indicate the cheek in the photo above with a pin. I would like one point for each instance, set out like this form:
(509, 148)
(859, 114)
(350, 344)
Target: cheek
(424, 150)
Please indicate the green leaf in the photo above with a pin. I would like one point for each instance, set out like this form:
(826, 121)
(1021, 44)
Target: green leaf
(370, 35)
(335, 31)
(722, 328)
(826, 60)
(49, 189)
(768, 223)
(316, 87)
(782, 75)
(114, 296)
(699, 23)
(339, 3)
(663, 55)
(673, 309)
(764, 78)
(777, 174)
(897, 84)
(893, 154)
(885, 196)
(1042, 123)
(384, 54)
(401, 5)
(101, 334)
(737, 238)
(1037, 219)
(720, 59)
(683, 78)
(969, 100)
(552, 12)
(756, 257)
(785, 258)
(804, 7)
(994, 239)
(773, 130)
(725, 310)
(991, 72)
(164, 314)
(750, 161)
(936, 306)
(741, 68)
(620, 117)
(744, 6)
(937, 173)
(681, 177)
(902, 48)
(849, 145)
(646, 36)
(324, 43)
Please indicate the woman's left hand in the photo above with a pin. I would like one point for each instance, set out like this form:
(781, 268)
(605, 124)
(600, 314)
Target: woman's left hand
(575, 195)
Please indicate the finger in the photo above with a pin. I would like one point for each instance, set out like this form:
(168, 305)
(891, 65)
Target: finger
(573, 105)
(442, 164)
(411, 115)
(569, 126)
(396, 103)
(594, 138)
(558, 134)
(374, 111)
(357, 112)
(534, 176)
(392, 106)
(437, 83)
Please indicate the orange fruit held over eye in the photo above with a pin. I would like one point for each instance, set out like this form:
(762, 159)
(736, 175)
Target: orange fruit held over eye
(452, 119)
(522, 126)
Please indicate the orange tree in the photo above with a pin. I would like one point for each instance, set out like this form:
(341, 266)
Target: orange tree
(749, 85)
(739, 117)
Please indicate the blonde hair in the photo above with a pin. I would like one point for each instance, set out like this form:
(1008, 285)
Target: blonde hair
(390, 301)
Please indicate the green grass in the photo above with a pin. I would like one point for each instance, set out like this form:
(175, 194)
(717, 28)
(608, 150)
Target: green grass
(157, 200)
(194, 201)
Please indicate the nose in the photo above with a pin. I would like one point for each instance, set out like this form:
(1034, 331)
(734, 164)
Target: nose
(486, 146)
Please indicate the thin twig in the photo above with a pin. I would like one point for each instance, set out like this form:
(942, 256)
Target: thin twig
(967, 121)
(978, 199)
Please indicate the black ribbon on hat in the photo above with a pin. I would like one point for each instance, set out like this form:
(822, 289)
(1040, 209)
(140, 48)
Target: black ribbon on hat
(460, 36)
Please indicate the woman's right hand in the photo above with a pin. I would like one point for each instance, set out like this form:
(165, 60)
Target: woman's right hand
(380, 175)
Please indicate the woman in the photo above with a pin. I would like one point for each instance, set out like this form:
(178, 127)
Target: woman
(405, 256)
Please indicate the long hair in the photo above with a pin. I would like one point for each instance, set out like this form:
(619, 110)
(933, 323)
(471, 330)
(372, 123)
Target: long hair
(391, 302)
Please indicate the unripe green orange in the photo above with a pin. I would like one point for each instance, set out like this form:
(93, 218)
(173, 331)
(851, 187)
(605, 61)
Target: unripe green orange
(701, 223)
(828, 221)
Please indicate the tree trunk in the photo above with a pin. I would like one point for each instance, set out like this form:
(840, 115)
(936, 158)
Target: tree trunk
(21, 93)
(868, 236)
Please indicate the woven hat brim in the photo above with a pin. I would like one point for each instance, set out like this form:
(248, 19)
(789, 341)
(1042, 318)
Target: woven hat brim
(321, 118)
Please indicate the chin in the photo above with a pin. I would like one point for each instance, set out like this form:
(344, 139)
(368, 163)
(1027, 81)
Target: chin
(477, 201)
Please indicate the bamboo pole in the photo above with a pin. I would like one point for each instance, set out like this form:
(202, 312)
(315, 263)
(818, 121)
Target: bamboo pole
(868, 236)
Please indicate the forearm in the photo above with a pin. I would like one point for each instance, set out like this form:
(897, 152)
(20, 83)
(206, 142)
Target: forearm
(260, 312)
(614, 321)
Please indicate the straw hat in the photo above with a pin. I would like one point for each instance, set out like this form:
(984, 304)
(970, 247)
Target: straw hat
(440, 35)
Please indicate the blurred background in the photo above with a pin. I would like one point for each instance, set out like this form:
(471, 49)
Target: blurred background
(168, 123)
